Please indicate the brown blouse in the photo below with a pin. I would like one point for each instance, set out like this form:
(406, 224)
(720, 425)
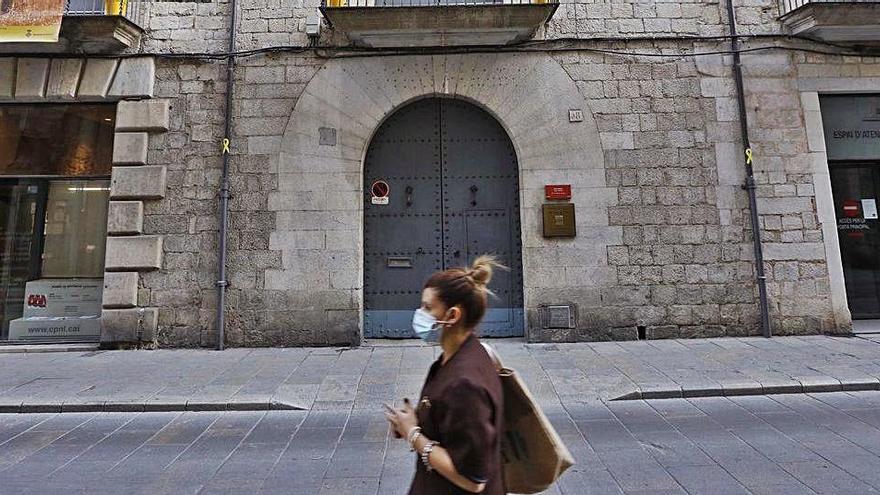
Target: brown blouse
(461, 408)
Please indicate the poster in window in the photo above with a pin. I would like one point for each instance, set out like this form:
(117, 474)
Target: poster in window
(30, 20)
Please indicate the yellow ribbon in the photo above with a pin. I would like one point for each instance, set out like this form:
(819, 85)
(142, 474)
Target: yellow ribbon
(749, 156)
(225, 146)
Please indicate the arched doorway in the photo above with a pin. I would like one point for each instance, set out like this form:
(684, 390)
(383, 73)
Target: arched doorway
(452, 194)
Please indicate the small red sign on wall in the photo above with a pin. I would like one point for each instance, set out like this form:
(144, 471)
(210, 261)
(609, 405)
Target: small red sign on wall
(851, 208)
(557, 191)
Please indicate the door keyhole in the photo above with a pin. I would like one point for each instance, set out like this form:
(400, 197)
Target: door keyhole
(474, 190)
(409, 193)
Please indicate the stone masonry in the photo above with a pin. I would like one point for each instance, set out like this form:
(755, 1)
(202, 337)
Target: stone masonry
(664, 241)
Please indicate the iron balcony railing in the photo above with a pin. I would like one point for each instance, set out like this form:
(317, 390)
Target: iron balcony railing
(789, 6)
(426, 3)
(130, 9)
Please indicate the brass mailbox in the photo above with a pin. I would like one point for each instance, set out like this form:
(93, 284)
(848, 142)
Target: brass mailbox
(559, 220)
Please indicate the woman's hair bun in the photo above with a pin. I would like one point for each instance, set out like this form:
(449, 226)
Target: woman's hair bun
(481, 271)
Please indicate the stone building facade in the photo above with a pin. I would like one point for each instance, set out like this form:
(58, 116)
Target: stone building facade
(656, 165)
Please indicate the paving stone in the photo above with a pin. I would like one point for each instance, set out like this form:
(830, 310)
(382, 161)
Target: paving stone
(706, 479)
(607, 435)
(276, 427)
(313, 443)
(671, 448)
(824, 477)
(635, 470)
(757, 472)
(357, 460)
(354, 486)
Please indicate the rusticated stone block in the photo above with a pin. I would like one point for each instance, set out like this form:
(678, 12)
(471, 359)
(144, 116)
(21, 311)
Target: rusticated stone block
(130, 148)
(146, 182)
(63, 78)
(30, 80)
(129, 325)
(125, 218)
(7, 77)
(96, 78)
(134, 78)
(120, 289)
(144, 115)
(134, 253)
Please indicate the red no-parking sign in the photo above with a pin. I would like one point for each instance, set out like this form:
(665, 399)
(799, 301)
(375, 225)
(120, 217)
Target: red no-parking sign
(851, 208)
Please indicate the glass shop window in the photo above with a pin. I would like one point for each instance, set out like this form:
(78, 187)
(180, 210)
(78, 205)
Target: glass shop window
(76, 229)
(55, 165)
(56, 140)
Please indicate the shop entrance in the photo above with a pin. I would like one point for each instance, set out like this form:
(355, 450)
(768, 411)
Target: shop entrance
(855, 187)
(21, 205)
(852, 141)
(441, 187)
(54, 193)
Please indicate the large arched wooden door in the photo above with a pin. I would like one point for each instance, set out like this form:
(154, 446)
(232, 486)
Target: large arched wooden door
(452, 195)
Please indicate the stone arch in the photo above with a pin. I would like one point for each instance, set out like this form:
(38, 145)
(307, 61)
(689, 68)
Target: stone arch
(319, 195)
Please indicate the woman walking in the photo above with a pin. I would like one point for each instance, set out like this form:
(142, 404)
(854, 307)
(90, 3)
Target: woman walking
(456, 426)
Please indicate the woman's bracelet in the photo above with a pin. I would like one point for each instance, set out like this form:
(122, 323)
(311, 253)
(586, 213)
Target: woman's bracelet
(413, 435)
(426, 454)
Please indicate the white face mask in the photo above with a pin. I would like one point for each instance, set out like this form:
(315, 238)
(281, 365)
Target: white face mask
(426, 326)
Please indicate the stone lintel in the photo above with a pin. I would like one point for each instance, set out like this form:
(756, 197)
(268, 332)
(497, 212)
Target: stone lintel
(63, 78)
(96, 78)
(135, 78)
(31, 78)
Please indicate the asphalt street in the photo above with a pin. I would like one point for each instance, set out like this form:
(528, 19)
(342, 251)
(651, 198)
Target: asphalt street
(778, 444)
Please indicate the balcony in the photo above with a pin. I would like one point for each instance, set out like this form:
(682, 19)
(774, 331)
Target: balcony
(855, 21)
(102, 25)
(91, 26)
(432, 23)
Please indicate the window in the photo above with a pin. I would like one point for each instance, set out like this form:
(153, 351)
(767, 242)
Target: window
(56, 140)
(55, 164)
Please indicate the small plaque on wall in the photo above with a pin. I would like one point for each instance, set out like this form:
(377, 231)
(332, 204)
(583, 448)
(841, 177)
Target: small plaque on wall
(559, 220)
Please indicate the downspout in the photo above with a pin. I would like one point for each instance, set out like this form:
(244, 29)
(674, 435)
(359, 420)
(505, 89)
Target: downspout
(750, 174)
(222, 283)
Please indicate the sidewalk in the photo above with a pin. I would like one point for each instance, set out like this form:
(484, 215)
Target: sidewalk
(569, 376)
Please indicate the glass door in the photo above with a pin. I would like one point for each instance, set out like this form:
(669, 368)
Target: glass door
(21, 213)
(855, 187)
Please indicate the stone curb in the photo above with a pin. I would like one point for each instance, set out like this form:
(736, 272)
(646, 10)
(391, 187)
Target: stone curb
(814, 386)
(109, 406)
(44, 348)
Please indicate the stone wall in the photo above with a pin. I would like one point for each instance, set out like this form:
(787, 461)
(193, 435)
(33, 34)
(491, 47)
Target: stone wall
(267, 88)
(674, 244)
(664, 235)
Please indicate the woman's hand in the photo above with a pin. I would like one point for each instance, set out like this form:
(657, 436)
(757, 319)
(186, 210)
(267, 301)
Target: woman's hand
(402, 420)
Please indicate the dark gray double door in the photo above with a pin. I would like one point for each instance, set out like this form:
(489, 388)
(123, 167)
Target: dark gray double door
(453, 195)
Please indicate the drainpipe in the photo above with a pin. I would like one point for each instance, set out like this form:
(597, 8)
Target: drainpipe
(222, 283)
(750, 174)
